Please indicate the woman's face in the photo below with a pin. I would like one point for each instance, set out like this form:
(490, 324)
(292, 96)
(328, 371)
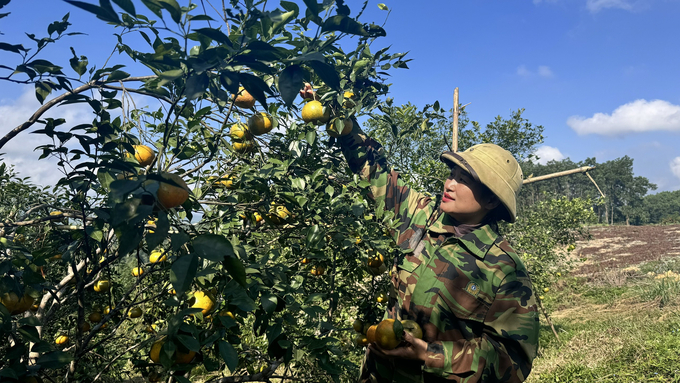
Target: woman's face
(465, 199)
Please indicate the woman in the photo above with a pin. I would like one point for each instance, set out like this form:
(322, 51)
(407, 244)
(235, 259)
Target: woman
(457, 278)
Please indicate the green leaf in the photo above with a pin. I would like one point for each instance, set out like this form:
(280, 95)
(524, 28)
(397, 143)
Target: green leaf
(229, 81)
(182, 272)
(173, 8)
(30, 333)
(54, 359)
(269, 303)
(343, 24)
(101, 12)
(213, 247)
(290, 83)
(42, 90)
(127, 6)
(160, 233)
(189, 342)
(17, 48)
(327, 73)
(78, 65)
(383, 7)
(228, 354)
(154, 7)
(314, 237)
(196, 85)
(117, 75)
(313, 6)
(215, 35)
(236, 270)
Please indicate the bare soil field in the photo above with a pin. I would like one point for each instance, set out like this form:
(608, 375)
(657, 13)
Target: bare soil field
(619, 247)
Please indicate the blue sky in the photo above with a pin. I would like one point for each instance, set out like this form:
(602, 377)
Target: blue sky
(602, 76)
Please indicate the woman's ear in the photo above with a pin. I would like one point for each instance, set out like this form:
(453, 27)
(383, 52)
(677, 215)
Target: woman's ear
(492, 202)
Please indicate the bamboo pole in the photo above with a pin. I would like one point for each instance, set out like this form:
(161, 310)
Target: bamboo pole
(454, 145)
(583, 169)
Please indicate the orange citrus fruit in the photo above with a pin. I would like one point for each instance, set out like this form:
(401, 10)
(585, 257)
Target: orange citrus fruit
(370, 333)
(244, 99)
(335, 129)
(318, 270)
(412, 327)
(102, 286)
(315, 113)
(61, 339)
(243, 146)
(169, 195)
(358, 325)
(84, 327)
(137, 271)
(376, 260)
(144, 155)
(260, 123)
(381, 298)
(361, 340)
(203, 300)
(135, 312)
(389, 334)
(157, 256)
(239, 131)
(95, 317)
(16, 305)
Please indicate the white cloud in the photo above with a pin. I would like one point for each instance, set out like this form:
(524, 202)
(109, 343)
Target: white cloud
(542, 71)
(547, 153)
(19, 150)
(675, 166)
(595, 6)
(637, 116)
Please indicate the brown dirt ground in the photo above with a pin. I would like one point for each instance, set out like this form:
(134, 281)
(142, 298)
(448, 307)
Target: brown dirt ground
(618, 247)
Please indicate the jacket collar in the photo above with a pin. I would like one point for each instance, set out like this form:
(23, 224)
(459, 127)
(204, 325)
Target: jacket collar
(478, 242)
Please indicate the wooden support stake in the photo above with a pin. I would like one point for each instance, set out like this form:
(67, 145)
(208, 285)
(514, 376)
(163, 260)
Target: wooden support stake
(598, 188)
(583, 169)
(454, 145)
(547, 318)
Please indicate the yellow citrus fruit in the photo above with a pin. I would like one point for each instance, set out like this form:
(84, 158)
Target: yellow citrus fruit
(305, 261)
(244, 99)
(84, 327)
(318, 270)
(172, 292)
(413, 327)
(361, 340)
(227, 313)
(260, 123)
(102, 286)
(35, 307)
(541, 297)
(546, 289)
(377, 270)
(95, 317)
(157, 256)
(168, 194)
(203, 300)
(257, 217)
(151, 329)
(61, 339)
(315, 113)
(135, 312)
(358, 325)
(16, 305)
(376, 260)
(144, 155)
(107, 310)
(239, 131)
(334, 128)
(381, 298)
(370, 333)
(389, 334)
(180, 357)
(348, 103)
(137, 271)
(243, 146)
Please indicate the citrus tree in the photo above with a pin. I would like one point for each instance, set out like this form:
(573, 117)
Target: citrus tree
(219, 237)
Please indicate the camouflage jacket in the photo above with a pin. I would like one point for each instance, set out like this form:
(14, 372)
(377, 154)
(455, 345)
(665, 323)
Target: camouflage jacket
(471, 295)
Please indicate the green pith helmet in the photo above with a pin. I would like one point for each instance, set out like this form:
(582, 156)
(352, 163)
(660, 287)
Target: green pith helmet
(496, 168)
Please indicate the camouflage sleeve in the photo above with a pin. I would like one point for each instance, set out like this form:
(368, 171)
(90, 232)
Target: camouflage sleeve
(508, 345)
(366, 157)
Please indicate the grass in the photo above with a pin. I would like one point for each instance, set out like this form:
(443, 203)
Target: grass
(623, 328)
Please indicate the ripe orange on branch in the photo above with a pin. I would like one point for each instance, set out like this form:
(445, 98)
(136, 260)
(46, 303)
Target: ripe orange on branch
(243, 146)
(16, 305)
(239, 131)
(143, 154)
(102, 286)
(180, 356)
(203, 300)
(339, 127)
(244, 99)
(315, 113)
(260, 123)
(173, 192)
